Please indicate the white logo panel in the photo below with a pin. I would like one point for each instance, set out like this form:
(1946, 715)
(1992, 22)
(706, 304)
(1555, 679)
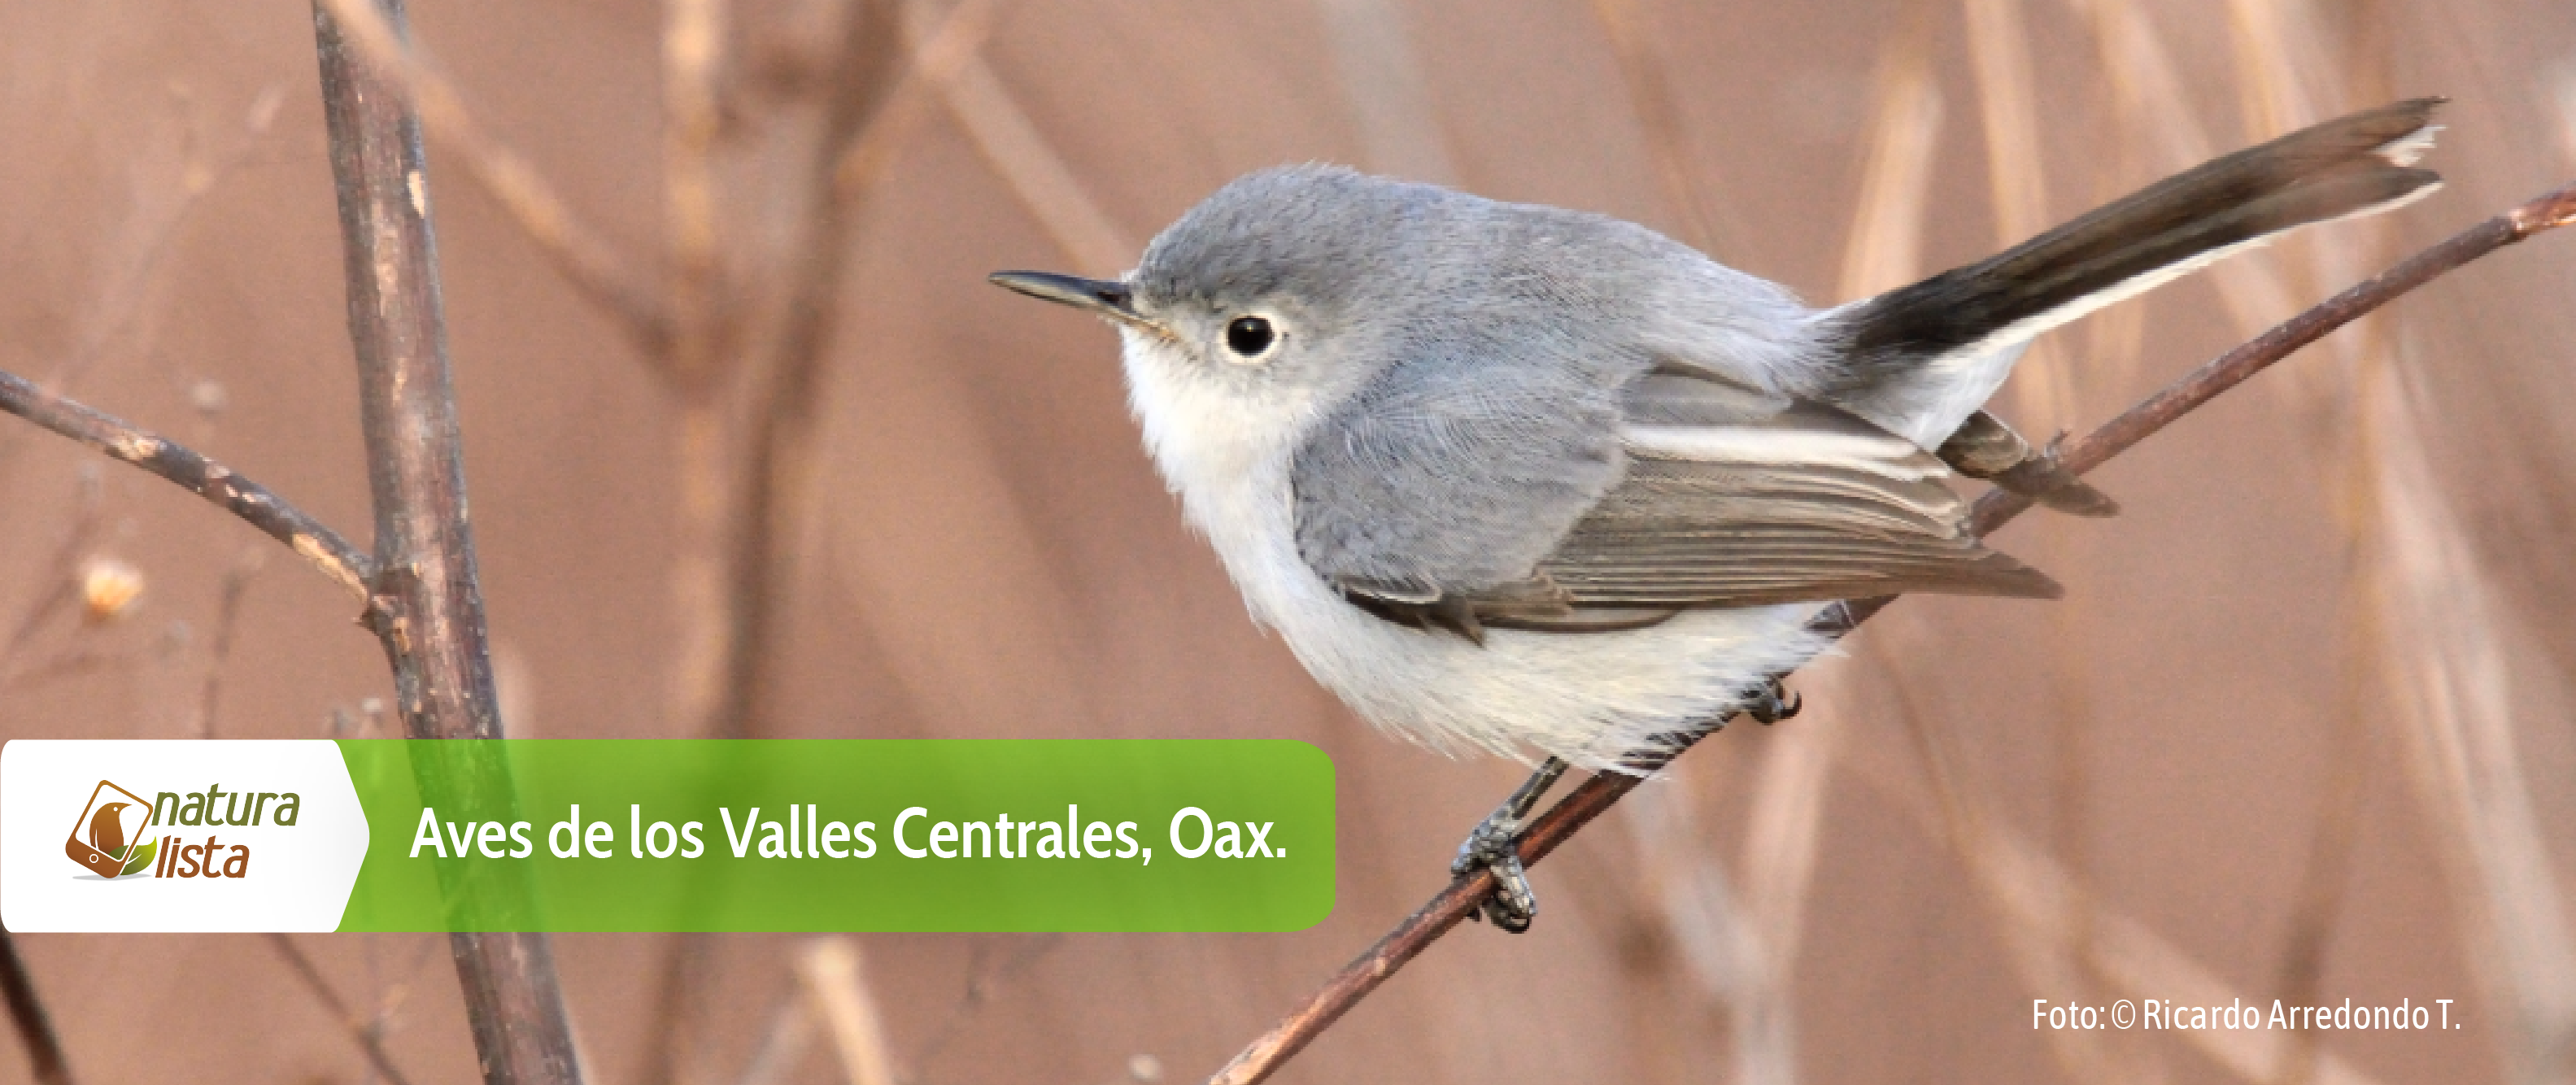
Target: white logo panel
(234, 835)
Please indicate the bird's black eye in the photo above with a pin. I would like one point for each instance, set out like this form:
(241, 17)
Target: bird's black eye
(1248, 336)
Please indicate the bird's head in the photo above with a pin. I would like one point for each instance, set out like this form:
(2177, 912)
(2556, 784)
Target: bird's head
(1278, 296)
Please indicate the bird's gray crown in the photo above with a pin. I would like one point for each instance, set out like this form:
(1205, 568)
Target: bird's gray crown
(1312, 233)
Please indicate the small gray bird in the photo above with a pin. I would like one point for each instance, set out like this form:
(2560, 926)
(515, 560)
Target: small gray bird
(1539, 482)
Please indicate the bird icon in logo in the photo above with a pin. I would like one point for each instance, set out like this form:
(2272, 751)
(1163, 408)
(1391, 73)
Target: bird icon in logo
(111, 837)
(107, 830)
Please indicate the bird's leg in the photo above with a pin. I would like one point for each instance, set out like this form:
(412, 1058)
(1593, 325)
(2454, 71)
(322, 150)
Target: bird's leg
(1986, 448)
(1496, 845)
(1773, 704)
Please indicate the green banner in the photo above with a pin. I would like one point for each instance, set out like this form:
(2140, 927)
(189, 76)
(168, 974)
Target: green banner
(770, 835)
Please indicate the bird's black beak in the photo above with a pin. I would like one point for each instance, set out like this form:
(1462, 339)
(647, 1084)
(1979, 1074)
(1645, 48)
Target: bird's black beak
(1099, 297)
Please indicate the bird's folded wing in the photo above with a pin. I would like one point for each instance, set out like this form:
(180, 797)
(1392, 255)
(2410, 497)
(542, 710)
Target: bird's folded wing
(1731, 500)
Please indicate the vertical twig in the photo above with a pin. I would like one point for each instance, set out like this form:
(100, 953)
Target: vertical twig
(782, 425)
(227, 622)
(696, 361)
(692, 38)
(433, 621)
(428, 604)
(368, 1038)
(27, 1013)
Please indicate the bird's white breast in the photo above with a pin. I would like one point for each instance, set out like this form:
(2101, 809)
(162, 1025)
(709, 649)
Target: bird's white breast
(1585, 697)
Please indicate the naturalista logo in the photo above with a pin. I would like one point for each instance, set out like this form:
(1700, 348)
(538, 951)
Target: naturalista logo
(113, 837)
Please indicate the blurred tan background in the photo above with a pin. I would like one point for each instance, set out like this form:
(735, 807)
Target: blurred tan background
(2300, 730)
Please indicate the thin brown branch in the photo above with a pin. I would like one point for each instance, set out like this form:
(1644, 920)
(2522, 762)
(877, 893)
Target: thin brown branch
(27, 1013)
(227, 622)
(428, 607)
(361, 1032)
(345, 564)
(1597, 794)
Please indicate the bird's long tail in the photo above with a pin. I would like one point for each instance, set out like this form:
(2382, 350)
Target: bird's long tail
(1911, 356)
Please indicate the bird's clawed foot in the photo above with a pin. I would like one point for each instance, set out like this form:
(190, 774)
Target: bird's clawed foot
(1773, 704)
(1495, 845)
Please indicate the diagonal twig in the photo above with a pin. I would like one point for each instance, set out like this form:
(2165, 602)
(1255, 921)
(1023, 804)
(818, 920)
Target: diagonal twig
(931, 61)
(1011, 143)
(585, 259)
(831, 974)
(345, 564)
(1453, 904)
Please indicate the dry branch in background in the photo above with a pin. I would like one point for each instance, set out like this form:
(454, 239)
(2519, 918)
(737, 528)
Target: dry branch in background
(831, 975)
(1598, 793)
(586, 261)
(1381, 73)
(227, 623)
(1011, 143)
(27, 1015)
(2033, 896)
(1707, 225)
(1999, 51)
